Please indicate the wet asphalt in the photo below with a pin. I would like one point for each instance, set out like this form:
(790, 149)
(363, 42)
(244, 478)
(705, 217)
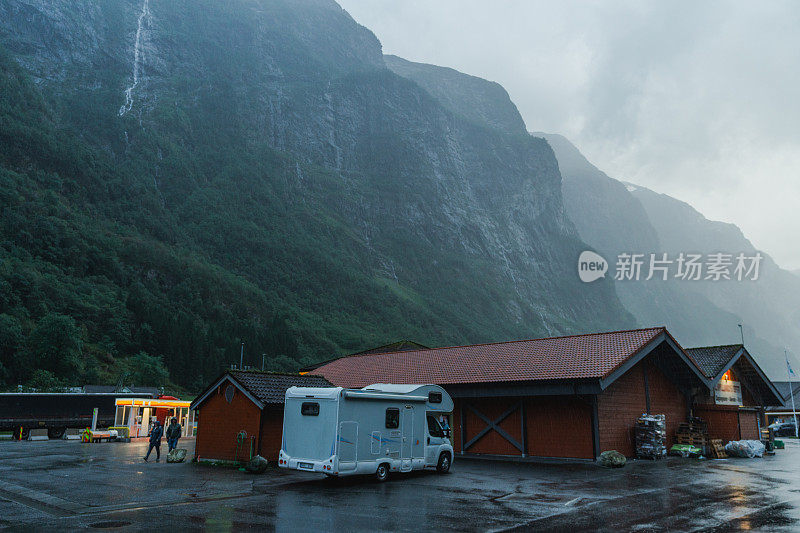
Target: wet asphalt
(69, 485)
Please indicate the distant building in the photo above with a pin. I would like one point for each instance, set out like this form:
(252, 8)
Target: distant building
(783, 411)
(399, 346)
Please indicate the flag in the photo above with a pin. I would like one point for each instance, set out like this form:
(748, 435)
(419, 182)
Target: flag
(789, 368)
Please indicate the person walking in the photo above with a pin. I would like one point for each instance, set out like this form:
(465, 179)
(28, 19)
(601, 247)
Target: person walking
(156, 432)
(173, 434)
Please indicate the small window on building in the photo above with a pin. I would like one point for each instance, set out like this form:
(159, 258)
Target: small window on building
(309, 409)
(392, 418)
(435, 397)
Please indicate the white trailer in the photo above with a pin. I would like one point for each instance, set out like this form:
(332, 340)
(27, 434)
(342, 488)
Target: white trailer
(376, 430)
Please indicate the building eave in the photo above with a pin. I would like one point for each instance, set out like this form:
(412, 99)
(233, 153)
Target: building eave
(225, 377)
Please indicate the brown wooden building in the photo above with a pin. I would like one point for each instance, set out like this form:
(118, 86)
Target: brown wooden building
(738, 390)
(569, 396)
(246, 403)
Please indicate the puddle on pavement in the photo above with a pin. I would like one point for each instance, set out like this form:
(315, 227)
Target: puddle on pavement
(109, 524)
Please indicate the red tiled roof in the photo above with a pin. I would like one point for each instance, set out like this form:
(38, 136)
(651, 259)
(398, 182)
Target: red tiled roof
(594, 355)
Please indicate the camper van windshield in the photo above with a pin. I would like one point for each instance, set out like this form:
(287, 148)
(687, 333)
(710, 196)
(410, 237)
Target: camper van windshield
(434, 429)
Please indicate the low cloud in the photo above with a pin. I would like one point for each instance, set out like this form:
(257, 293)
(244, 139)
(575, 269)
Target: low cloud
(697, 100)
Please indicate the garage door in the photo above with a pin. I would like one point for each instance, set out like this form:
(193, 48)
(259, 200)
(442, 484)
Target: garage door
(748, 423)
(491, 426)
(555, 426)
(559, 426)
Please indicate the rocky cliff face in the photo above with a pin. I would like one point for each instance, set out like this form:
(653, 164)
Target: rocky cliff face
(475, 99)
(615, 217)
(269, 141)
(769, 308)
(613, 221)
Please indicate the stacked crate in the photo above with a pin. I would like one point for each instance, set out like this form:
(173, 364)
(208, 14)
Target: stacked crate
(651, 434)
(717, 450)
(694, 432)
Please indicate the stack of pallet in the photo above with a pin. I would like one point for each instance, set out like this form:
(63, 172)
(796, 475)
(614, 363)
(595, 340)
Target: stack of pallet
(717, 449)
(651, 436)
(693, 433)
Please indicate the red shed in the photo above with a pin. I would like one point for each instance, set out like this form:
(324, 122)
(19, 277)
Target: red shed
(246, 403)
(570, 396)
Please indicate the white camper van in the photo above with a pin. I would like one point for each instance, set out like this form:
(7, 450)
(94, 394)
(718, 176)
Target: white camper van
(379, 429)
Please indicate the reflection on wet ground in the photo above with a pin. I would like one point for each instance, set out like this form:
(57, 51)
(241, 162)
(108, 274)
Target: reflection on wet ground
(67, 485)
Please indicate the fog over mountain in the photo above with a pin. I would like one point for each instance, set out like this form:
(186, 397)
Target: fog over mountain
(614, 217)
(693, 99)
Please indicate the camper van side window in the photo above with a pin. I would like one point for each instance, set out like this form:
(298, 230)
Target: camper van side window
(435, 397)
(309, 409)
(392, 418)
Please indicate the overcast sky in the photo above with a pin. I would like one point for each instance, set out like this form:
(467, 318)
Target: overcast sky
(699, 100)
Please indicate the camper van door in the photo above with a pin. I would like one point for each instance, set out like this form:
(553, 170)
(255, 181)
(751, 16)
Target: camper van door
(407, 428)
(348, 446)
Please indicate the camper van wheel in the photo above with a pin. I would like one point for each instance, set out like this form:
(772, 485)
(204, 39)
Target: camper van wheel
(382, 473)
(444, 463)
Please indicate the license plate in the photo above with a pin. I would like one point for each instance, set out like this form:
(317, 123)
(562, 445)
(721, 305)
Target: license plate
(307, 466)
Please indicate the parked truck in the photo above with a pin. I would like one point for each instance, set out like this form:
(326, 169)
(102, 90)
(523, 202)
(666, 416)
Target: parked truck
(56, 412)
(376, 430)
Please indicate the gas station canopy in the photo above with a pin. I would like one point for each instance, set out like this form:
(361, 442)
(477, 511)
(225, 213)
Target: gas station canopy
(136, 414)
(154, 403)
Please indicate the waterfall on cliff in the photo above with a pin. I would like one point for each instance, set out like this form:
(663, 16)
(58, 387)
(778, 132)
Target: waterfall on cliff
(144, 16)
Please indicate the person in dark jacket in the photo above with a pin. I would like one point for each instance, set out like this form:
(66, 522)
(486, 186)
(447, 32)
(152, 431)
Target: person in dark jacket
(156, 432)
(173, 434)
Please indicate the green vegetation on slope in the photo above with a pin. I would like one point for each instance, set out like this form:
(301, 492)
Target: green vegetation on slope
(97, 268)
(273, 184)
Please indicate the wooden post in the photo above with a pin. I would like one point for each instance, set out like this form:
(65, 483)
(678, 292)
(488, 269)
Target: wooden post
(524, 423)
(463, 427)
(595, 428)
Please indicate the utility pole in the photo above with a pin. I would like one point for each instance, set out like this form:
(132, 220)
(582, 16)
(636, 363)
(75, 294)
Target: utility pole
(741, 332)
(241, 357)
(790, 373)
(263, 358)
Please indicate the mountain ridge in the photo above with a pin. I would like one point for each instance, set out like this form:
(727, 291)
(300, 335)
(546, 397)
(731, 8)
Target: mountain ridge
(701, 313)
(612, 218)
(333, 203)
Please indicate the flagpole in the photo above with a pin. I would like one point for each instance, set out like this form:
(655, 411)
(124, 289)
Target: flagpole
(791, 391)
